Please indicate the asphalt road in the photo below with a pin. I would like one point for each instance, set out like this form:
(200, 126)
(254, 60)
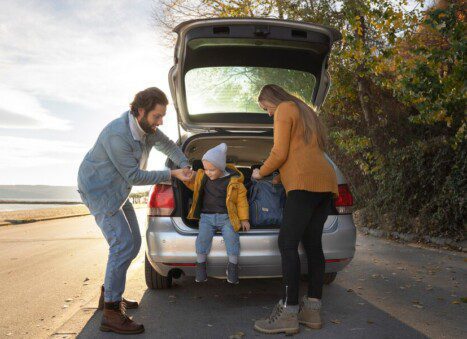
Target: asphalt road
(50, 273)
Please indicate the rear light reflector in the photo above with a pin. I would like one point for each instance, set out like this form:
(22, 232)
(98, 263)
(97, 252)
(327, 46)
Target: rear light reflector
(179, 264)
(336, 260)
(161, 200)
(344, 202)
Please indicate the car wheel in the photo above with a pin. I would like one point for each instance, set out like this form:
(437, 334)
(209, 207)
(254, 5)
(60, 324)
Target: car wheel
(154, 280)
(329, 277)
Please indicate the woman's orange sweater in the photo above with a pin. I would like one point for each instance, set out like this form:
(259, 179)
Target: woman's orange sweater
(302, 166)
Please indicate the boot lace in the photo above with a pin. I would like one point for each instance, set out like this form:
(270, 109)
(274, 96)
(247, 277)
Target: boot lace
(276, 313)
(123, 314)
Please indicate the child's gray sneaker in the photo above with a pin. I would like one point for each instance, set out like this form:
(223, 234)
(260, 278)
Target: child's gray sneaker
(281, 320)
(309, 314)
(201, 273)
(232, 273)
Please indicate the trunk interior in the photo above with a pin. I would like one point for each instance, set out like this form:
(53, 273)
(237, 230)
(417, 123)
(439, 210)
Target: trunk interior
(244, 151)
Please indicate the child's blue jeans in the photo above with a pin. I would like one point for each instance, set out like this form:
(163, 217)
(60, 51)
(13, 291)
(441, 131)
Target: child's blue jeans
(208, 224)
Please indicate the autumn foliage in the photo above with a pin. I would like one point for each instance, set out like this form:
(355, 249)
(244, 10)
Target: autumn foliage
(396, 108)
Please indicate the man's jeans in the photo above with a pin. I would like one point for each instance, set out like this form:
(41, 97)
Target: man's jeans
(208, 225)
(121, 230)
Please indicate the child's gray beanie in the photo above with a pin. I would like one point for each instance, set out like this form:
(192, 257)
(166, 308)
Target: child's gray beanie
(217, 156)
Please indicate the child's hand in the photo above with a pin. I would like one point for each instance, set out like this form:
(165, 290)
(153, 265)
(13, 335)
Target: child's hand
(245, 225)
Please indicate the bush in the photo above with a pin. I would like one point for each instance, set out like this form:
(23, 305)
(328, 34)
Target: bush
(425, 185)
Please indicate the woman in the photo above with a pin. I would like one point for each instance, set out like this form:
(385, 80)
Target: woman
(310, 182)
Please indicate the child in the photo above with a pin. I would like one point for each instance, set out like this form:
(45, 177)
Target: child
(220, 203)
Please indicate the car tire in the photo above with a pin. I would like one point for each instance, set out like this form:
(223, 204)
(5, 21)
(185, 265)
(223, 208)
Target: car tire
(154, 280)
(329, 277)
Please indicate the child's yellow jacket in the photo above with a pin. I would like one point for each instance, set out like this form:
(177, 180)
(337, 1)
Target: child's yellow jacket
(236, 200)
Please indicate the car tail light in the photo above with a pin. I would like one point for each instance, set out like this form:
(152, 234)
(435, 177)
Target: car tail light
(344, 202)
(161, 201)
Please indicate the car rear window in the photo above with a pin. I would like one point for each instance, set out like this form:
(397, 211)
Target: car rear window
(235, 89)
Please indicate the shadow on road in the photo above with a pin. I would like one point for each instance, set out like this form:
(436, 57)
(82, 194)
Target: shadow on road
(217, 309)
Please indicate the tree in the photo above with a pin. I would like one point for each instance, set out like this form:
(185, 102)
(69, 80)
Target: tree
(396, 109)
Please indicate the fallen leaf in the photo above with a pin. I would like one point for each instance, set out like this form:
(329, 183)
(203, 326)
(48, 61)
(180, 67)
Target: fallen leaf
(87, 279)
(237, 335)
(350, 290)
(336, 321)
(65, 306)
(456, 302)
(417, 306)
(370, 322)
(68, 300)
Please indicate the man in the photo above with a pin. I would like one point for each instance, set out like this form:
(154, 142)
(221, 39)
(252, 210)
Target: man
(114, 164)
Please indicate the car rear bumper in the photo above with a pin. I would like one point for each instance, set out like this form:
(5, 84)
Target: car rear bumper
(171, 246)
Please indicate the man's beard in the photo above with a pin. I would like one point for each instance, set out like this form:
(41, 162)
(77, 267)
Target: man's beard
(145, 126)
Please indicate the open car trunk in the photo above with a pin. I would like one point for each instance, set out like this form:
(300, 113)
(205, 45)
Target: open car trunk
(221, 64)
(243, 152)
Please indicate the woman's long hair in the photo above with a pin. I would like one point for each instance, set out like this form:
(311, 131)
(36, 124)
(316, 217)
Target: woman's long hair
(310, 120)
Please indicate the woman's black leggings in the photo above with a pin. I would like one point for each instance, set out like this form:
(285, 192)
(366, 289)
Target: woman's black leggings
(304, 216)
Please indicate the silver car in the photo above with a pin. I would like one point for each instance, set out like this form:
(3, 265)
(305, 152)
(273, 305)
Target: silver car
(220, 65)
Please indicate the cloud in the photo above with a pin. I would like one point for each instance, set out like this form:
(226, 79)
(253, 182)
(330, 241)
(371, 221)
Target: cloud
(96, 54)
(33, 152)
(67, 68)
(21, 110)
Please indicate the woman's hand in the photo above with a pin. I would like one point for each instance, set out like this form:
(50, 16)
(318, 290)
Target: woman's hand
(256, 175)
(245, 225)
(276, 180)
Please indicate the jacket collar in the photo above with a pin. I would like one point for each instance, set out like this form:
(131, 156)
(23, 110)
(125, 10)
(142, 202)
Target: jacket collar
(136, 130)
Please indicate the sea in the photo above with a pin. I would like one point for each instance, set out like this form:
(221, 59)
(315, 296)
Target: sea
(30, 197)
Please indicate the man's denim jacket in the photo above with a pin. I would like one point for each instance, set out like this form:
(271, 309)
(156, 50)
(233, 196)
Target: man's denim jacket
(111, 167)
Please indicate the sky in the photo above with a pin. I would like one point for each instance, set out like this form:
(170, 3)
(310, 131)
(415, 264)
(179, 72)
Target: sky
(67, 68)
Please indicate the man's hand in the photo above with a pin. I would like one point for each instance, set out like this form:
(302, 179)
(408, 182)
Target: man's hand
(183, 174)
(245, 225)
(256, 175)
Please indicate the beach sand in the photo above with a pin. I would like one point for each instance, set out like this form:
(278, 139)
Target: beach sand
(26, 216)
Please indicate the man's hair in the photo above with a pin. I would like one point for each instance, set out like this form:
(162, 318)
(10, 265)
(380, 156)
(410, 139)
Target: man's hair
(148, 99)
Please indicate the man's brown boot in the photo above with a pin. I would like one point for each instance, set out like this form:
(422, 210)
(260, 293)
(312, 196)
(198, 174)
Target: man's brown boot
(309, 314)
(129, 304)
(116, 320)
